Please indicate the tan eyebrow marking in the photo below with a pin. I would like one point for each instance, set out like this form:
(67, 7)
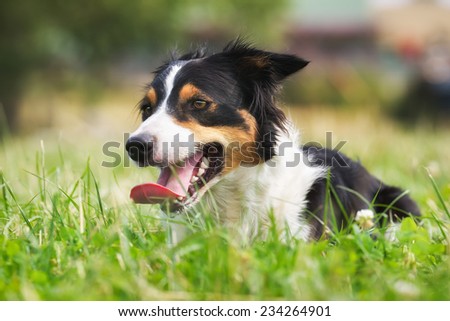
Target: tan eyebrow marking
(152, 97)
(190, 91)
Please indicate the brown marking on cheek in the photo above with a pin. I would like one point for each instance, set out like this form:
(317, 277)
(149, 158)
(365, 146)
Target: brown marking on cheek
(250, 121)
(242, 150)
(245, 153)
(151, 95)
(239, 144)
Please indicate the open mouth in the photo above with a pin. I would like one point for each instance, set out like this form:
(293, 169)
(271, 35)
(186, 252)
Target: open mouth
(180, 185)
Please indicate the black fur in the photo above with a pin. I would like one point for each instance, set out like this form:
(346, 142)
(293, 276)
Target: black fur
(348, 187)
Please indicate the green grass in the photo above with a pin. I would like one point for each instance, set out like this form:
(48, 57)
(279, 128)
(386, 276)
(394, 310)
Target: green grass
(69, 232)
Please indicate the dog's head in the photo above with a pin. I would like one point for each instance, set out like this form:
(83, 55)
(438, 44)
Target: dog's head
(204, 116)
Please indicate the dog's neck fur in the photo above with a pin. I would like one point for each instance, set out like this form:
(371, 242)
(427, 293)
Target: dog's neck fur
(252, 197)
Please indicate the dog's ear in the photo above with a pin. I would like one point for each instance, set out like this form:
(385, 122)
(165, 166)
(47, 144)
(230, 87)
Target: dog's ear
(284, 65)
(260, 74)
(259, 65)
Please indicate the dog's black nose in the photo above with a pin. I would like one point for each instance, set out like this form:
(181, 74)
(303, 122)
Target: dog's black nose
(140, 148)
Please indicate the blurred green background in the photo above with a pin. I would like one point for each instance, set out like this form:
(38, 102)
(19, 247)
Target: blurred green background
(61, 60)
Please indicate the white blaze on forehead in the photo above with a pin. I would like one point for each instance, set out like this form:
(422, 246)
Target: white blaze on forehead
(169, 82)
(171, 142)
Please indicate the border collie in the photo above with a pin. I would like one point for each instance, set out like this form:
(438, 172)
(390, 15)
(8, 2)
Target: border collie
(212, 126)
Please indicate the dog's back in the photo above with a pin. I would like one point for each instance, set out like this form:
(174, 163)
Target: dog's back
(347, 188)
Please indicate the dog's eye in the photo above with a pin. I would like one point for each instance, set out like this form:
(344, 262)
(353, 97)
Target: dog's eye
(146, 111)
(200, 104)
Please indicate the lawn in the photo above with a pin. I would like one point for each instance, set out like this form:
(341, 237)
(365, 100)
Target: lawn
(69, 232)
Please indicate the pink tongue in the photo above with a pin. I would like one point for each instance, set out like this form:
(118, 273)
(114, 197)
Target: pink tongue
(173, 182)
(151, 193)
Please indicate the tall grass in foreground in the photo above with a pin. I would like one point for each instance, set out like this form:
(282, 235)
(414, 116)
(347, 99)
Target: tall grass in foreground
(68, 232)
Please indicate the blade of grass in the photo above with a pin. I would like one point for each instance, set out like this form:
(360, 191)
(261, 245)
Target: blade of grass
(81, 221)
(329, 215)
(438, 193)
(87, 186)
(21, 211)
(3, 186)
(391, 204)
(40, 168)
(339, 203)
(99, 199)
(440, 225)
(69, 196)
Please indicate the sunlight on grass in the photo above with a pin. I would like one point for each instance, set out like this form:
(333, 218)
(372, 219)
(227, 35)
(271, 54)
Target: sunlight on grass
(69, 231)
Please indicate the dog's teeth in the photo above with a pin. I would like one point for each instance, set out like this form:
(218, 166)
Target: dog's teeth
(205, 163)
(201, 171)
(194, 179)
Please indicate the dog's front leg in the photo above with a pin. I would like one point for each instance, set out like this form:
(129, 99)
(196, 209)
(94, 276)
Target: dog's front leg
(175, 227)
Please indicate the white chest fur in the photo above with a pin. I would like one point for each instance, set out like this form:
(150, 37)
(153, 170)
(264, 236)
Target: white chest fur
(249, 198)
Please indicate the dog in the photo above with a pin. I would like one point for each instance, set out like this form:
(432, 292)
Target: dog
(211, 124)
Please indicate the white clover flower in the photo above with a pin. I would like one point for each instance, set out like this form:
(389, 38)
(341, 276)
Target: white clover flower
(407, 289)
(364, 218)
